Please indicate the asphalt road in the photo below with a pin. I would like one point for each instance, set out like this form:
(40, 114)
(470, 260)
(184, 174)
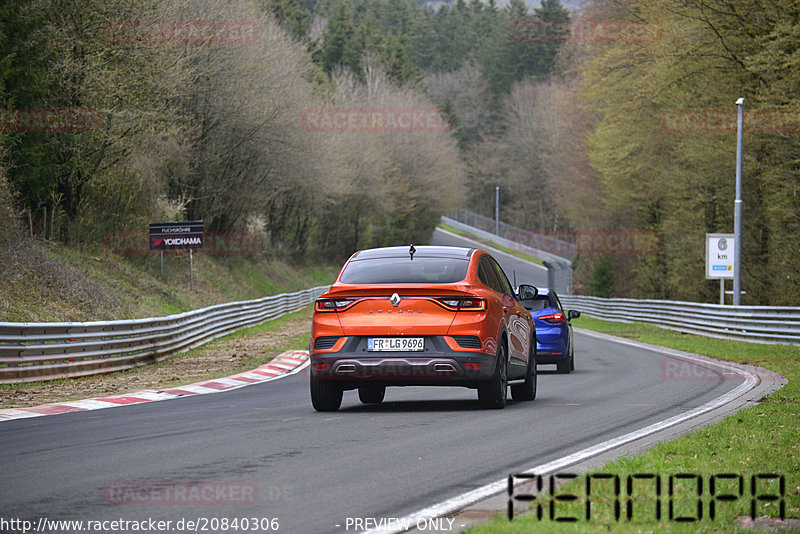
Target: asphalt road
(314, 470)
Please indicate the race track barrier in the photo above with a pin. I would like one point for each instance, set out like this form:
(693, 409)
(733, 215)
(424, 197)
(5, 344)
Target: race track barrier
(559, 268)
(43, 351)
(755, 324)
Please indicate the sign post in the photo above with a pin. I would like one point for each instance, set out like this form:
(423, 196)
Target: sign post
(720, 258)
(497, 210)
(737, 210)
(177, 236)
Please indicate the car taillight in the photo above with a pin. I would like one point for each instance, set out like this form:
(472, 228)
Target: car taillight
(553, 318)
(462, 303)
(333, 305)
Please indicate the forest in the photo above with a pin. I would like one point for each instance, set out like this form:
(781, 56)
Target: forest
(617, 116)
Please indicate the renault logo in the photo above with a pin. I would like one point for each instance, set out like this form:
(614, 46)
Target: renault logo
(395, 300)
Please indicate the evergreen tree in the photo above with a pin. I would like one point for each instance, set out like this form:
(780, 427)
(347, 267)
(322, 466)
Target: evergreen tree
(293, 15)
(395, 57)
(516, 56)
(422, 40)
(341, 45)
(35, 158)
(550, 11)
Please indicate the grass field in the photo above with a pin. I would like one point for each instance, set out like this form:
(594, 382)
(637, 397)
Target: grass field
(764, 439)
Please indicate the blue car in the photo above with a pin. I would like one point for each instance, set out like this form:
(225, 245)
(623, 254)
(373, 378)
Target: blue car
(553, 330)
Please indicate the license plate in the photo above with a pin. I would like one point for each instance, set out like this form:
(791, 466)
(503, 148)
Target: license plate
(384, 344)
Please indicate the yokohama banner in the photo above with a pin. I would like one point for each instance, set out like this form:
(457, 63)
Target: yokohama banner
(176, 235)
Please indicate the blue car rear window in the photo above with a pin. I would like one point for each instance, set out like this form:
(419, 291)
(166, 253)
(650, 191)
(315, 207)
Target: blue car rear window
(405, 271)
(537, 303)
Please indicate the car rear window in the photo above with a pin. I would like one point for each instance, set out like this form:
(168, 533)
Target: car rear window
(537, 303)
(405, 271)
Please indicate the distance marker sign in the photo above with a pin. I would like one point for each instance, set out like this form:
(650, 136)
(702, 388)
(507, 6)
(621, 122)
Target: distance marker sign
(176, 235)
(719, 256)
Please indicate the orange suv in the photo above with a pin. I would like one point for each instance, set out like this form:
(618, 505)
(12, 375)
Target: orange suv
(430, 315)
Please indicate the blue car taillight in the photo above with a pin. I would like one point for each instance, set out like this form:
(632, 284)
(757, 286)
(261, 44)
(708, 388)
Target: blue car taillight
(553, 318)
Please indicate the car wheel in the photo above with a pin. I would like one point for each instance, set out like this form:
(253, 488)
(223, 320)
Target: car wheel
(571, 359)
(527, 390)
(371, 394)
(326, 396)
(564, 367)
(494, 393)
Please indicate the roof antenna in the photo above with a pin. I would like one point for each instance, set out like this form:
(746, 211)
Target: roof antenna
(411, 252)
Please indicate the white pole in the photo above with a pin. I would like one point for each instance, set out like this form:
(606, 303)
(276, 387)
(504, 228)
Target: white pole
(722, 291)
(191, 271)
(497, 210)
(737, 212)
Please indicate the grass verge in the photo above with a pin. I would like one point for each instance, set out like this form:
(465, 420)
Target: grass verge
(486, 242)
(46, 281)
(764, 439)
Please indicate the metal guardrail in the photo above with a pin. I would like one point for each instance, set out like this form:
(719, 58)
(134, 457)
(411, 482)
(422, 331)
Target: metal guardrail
(559, 269)
(43, 351)
(755, 324)
(548, 246)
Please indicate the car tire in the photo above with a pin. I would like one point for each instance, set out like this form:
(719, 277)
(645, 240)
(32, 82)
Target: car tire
(371, 394)
(568, 365)
(326, 396)
(493, 394)
(527, 390)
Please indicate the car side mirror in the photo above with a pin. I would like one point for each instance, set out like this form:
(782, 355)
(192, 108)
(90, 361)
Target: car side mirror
(526, 291)
(573, 314)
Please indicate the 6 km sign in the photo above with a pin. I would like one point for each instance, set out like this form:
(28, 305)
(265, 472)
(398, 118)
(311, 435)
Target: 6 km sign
(719, 256)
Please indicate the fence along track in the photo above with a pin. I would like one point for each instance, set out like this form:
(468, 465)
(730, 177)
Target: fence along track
(756, 324)
(42, 351)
